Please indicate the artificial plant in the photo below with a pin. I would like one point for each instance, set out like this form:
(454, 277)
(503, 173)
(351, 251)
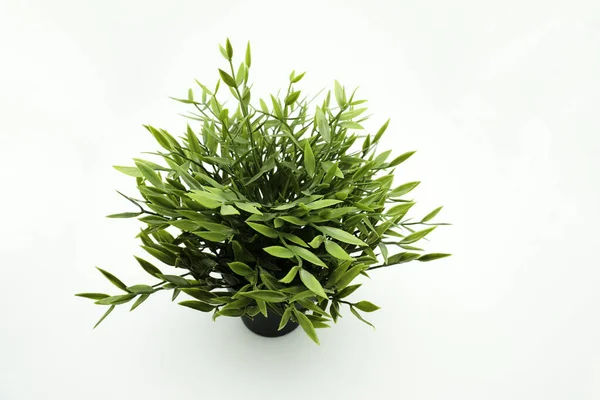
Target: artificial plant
(273, 208)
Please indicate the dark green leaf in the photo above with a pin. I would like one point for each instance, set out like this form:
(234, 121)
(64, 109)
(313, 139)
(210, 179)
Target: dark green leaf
(433, 256)
(197, 305)
(141, 289)
(148, 267)
(104, 316)
(228, 79)
(93, 296)
(416, 236)
(113, 279)
(139, 301)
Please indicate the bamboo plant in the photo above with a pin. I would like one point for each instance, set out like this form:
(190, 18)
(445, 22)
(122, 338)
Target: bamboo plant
(274, 208)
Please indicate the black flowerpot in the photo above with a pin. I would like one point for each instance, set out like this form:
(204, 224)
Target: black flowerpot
(267, 326)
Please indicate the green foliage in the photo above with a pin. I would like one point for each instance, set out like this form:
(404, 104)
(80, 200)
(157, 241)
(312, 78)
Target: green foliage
(268, 207)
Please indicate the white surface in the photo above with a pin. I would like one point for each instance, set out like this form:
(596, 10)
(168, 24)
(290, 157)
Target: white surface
(501, 100)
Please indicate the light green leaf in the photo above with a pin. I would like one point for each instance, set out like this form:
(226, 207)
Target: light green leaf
(248, 58)
(403, 189)
(315, 205)
(341, 235)
(309, 159)
(347, 291)
(323, 125)
(307, 255)
(289, 277)
(316, 242)
(131, 171)
(336, 250)
(285, 318)
(381, 131)
(312, 283)
(366, 306)
(228, 79)
(226, 209)
(401, 158)
(340, 94)
(431, 215)
(306, 325)
(116, 300)
(185, 225)
(351, 114)
(263, 230)
(279, 251)
(249, 208)
(292, 98)
(294, 220)
(206, 199)
(240, 268)
(416, 236)
(149, 174)
(402, 258)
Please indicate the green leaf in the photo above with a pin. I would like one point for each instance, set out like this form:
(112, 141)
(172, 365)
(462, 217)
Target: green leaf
(185, 225)
(176, 292)
(309, 159)
(402, 258)
(229, 49)
(366, 306)
(197, 305)
(292, 98)
(113, 279)
(416, 236)
(141, 289)
(116, 300)
(400, 210)
(240, 268)
(315, 205)
(176, 280)
(93, 296)
(323, 125)
(306, 325)
(167, 258)
(341, 235)
(349, 276)
(340, 95)
(294, 220)
(351, 114)
(131, 171)
(228, 79)
(248, 58)
(347, 291)
(139, 301)
(229, 210)
(263, 230)
(213, 236)
(285, 318)
(307, 255)
(298, 77)
(289, 277)
(206, 199)
(149, 174)
(312, 283)
(316, 242)
(431, 215)
(381, 131)
(403, 189)
(401, 158)
(249, 208)
(357, 315)
(302, 295)
(149, 268)
(433, 256)
(104, 316)
(336, 250)
(279, 251)
(270, 296)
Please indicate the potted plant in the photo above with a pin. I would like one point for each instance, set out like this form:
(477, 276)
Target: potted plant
(269, 211)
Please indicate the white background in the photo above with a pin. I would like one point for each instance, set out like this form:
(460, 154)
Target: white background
(501, 100)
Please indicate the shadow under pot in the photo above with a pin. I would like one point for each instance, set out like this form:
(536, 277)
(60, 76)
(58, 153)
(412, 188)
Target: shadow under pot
(259, 324)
